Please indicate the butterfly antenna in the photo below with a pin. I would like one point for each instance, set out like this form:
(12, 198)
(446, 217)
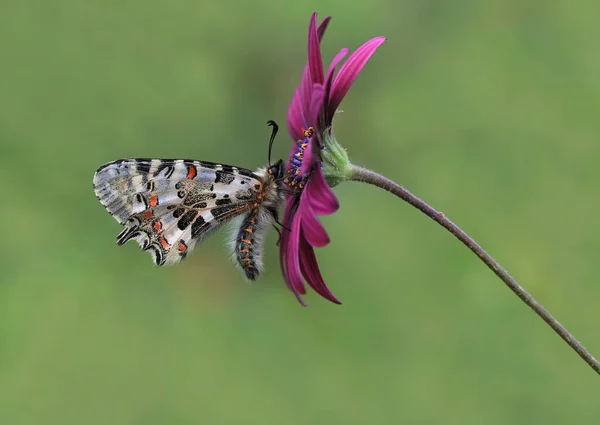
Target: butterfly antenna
(273, 134)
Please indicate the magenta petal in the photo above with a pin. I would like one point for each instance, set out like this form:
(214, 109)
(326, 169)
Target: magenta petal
(282, 262)
(305, 98)
(292, 261)
(312, 274)
(309, 157)
(321, 197)
(318, 94)
(350, 70)
(312, 228)
(294, 118)
(328, 116)
(315, 62)
(322, 26)
(300, 106)
(331, 70)
(334, 63)
(284, 247)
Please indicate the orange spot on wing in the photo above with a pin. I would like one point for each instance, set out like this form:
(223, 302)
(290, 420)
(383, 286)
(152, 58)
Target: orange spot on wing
(164, 243)
(182, 246)
(158, 226)
(148, 214)
(154, 200)
(191, 172)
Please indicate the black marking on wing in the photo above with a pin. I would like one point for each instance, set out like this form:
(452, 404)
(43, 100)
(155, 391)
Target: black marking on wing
(117, 162)
(178, 212)
(170, 162)
(142, 199)
(244, 195)
(224, 201)
(224, 212)
(144, 167)
(159, 259)
(224, 176)
(247, 173)
(210, 165)
(126, 235)
(165, 165)
(220, 214)
(186, 219)
(198, 226)
(194, 198)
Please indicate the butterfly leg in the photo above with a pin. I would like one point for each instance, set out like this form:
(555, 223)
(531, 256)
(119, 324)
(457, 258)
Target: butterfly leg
(278, 234)
(282, 225)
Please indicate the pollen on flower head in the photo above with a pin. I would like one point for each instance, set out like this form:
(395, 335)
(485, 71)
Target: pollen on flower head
(298, 172)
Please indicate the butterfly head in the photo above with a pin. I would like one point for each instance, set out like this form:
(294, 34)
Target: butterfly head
(277, 170)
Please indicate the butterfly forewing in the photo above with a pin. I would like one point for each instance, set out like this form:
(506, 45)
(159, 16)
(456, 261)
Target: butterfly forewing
(168, 205)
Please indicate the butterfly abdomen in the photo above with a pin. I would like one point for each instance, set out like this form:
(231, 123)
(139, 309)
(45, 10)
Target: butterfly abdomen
(247, 255)
(252, 228)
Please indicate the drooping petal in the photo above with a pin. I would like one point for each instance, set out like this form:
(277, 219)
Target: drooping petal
(292, 262)
(349, 71)
(282, 262)
(312, 274)
(312, 228)
(319, 194)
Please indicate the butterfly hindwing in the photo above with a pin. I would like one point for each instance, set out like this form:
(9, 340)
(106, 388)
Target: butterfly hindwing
(168, 205)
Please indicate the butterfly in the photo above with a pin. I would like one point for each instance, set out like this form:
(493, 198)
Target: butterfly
(170, 205)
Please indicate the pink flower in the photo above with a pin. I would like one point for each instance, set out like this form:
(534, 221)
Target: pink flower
(310, 118)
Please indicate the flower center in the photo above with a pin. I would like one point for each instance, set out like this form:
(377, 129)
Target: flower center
(297, 175)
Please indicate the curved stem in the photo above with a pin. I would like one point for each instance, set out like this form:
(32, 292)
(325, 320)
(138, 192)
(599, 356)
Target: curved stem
(367, 176)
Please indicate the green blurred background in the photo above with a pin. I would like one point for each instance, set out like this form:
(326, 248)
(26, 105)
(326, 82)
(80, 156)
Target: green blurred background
(487, 110)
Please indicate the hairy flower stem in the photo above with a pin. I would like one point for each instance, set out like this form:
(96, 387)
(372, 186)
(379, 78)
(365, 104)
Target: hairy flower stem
(367, 176)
